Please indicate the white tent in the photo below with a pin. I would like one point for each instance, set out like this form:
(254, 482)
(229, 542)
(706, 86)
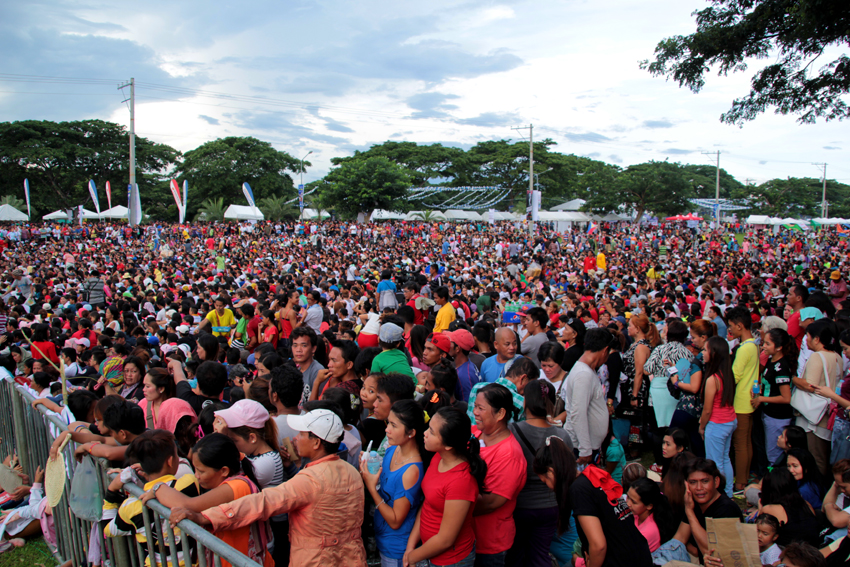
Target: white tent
(562, 216)
(759, 219)
(798, 222)
(456, 214)
(10, 213)
(116, 212)
(473, 215)
(830, 222)
(63, 215)
(243, 212)
(381, 214)
(310, 214)
(573, 205)
(415, 215)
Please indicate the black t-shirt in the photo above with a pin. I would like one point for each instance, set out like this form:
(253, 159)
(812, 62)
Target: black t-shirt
(776, 374)
(184, 392)
(626, 546)
(723, 507)
(571, 356)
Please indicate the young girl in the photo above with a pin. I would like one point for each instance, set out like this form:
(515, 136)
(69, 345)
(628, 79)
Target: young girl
(718, 421)
(653, 515)
(781, 350)
(223, 478)
(372, 429)
(400, 478)
(767, 528)
(450, 489)
(675, 441)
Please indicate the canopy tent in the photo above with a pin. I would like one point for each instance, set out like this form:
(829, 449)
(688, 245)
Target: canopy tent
(243, 212)
(10, 213)
(381, 214)
(457, 214)
(792, 222)
(418, 215)
(573, 205)
(830, 222)
(116, 212)
(310, 214)
(472, 215)
(611, 217)
(503, 216)
(562, 216)
(63, 215)
(759, 219)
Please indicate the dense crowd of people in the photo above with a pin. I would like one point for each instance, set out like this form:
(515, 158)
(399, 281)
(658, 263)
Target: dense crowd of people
(443, 394)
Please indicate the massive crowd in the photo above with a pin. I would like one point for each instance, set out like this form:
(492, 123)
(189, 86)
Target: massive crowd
(444, 394)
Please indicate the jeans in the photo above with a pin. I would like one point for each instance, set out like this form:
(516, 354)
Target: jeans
(772, 430)
(388, 562)
(468, 561)
(490, 559)
(718, 443)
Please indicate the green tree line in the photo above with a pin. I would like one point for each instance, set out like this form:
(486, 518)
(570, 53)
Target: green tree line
(59, 158)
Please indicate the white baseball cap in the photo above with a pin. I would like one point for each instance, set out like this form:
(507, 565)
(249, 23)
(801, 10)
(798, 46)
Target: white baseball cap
(322, 423)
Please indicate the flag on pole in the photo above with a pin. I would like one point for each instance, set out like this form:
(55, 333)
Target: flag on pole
(248, 194)
(591, 227)
(27, 195)
(93, 193)
(109, 194)
(185, 200)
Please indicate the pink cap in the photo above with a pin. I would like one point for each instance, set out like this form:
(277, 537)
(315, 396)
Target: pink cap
(248, 413)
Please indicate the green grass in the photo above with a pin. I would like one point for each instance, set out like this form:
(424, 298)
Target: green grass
(34, 554)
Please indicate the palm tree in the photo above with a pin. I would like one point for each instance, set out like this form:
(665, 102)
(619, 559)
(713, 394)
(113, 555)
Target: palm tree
(427, 216)
(211, 210)
(277, 208)
(14, 201)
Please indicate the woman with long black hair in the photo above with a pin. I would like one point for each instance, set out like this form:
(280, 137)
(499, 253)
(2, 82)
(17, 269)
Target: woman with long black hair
(605, 524)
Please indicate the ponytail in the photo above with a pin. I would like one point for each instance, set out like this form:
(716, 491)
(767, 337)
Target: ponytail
(456, 433)
(555, 456)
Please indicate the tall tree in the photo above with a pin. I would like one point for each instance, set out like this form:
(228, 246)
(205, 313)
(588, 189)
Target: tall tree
(793, 33)
(217, 169)
(656, 186)
(432, 164)
(796, 197)
(360, 186)
(59, 158)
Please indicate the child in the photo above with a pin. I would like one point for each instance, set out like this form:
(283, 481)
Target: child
(31, 519)
(389, 389)
(350, 406)
(372, 429)
(224, 478)
(117, 421)
(767, 527)
(392, 358)
(156, 452)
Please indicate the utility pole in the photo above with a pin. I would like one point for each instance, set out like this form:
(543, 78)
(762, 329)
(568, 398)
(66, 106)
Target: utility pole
(824, 208)
(133, 189)
(534, 206)
(717, 186)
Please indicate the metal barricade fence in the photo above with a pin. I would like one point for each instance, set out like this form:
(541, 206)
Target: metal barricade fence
(30, 433)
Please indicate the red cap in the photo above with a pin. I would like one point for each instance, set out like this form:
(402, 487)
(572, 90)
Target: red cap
(462, 338)
(441, 341)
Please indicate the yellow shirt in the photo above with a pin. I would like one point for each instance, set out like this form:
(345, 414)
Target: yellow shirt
(445, 316)
(600, 261)
(746, 371)
(221, 325)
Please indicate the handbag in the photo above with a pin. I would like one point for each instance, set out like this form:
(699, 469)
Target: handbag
(812, 406)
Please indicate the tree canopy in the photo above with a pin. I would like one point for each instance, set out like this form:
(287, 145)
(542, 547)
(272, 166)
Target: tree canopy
(656, 186)
(795, 34)
(363, 185)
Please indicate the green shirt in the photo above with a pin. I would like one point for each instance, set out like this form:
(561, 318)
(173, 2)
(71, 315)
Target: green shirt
(484, 303)
(393, 360)
(219, 262)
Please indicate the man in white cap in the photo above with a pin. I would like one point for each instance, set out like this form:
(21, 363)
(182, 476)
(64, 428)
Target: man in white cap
(324, 501)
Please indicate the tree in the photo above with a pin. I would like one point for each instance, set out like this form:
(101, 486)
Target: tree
(426, 165)
(59, 158)
(796, 197)
(13, 201)
(277, 208)
(211, 210)
(363, 185)
(794, 33)
(656, 186)
(217, 169)
(703, 179)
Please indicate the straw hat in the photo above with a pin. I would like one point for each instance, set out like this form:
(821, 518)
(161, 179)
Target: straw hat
(54, 477)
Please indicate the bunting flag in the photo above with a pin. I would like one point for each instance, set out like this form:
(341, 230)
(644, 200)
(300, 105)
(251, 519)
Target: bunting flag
(136, 206)
(109, 194)
(93, 193)
(248, 194)
(27, 195)
(185, 200)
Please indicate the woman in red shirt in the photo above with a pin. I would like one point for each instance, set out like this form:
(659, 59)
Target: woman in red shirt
(41, 345)
(450, 489)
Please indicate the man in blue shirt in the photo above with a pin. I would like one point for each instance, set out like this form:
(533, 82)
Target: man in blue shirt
(497, 366)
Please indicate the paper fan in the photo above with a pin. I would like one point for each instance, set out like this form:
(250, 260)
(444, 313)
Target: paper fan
(9, 479)
(55, 476)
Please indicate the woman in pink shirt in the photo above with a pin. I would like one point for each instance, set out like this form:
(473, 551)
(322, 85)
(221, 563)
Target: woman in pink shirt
(653, 515)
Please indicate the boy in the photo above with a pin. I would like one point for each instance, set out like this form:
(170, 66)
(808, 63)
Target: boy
(392, 359)
(156, 452)
(746, 370)
(122, 423)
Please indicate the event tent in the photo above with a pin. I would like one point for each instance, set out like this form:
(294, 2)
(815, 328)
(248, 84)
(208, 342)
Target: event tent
(759, 219)
(310, 214)
(830, 222)
(611, 217)
(562, 216)
(573, 205)
(415, 215)
(116, 212)
(457, 214)
(243, 212)
(63, 215)
(10, 213)
(381, 214)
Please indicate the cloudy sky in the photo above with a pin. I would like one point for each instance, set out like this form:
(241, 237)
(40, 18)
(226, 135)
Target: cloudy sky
(331, 76)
